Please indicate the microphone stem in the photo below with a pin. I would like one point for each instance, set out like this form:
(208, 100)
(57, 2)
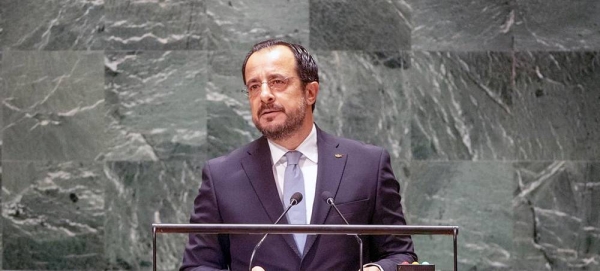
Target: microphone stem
(360, 243)
(293, 202)
(338, 211)
(255, 250)
(360, 253)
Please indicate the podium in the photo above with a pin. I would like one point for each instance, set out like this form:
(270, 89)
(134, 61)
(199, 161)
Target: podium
(328, 229)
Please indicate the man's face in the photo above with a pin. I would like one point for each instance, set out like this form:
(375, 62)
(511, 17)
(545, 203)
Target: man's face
(278, 111)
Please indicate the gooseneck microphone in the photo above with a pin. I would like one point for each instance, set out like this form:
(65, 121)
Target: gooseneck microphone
(328, 197)
(294, 200)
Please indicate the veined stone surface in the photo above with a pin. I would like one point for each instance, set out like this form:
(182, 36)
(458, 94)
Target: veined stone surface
(559, 105)
(459, 101)
(53, 216)
(239, 24)
(139, 194)
(556, 217)
(156, 105)
(363, 96)
(490, 111)
(51, 24)
(462, 25)
(499, 106)
(2, 91)
(476, 196)
(202, 25)
(156, 25)
(229, 123)
(557, 25)
(369, 25)
(53, 105)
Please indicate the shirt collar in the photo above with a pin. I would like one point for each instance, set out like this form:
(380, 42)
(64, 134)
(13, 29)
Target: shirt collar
(308, 148)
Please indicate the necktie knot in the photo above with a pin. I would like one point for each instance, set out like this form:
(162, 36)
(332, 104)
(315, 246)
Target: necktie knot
(293, 157)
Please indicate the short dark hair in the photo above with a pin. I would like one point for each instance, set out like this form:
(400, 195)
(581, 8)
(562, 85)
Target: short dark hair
(306, 67)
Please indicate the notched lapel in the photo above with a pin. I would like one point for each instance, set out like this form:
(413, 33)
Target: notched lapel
(332, 162)
(258, 168)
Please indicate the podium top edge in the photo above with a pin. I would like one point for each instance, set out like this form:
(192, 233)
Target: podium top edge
(309, 229)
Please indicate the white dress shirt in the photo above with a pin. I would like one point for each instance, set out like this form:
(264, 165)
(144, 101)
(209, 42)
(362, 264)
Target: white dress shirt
(308, 164)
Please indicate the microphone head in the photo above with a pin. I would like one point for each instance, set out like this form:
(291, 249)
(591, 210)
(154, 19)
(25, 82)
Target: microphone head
(296, 198)
(326, 196)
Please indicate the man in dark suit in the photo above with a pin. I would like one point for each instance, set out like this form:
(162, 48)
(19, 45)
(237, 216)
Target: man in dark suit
(249, 184)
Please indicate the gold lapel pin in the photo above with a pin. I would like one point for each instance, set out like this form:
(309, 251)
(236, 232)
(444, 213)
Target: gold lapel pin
(337, 155)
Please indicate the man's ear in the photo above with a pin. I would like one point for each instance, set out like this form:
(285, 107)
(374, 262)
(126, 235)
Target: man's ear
(312, 90)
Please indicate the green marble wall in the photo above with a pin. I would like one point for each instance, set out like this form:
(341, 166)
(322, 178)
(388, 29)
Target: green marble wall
(490, 110)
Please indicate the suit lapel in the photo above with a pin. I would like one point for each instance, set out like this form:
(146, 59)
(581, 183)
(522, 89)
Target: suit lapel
(332, 161)
(259, 169)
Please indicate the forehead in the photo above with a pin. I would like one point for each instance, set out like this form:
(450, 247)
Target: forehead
(278, 59)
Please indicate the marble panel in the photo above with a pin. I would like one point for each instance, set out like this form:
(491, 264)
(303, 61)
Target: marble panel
(229, 121)
(139, 194)
(371, 25)
(462, 25)
(558, 104)
(157, 105)
(2, 90)
(157, 25)
(53, 215)
(461, 103)
(556, 217)
(239, 24)
(482, 106)
(52, 105)
(2, 94)
(557, 25)
(1, 232)
(363, 96)
(51, 24)
(476, 196)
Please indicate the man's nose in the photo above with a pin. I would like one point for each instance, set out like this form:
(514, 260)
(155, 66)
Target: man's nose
(266, 95)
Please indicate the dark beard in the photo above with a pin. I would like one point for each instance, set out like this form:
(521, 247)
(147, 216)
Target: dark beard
(292, 124)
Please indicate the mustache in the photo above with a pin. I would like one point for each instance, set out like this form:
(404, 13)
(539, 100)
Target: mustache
(270, 108)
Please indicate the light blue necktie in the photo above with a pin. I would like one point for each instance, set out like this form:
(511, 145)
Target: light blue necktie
(293, 182)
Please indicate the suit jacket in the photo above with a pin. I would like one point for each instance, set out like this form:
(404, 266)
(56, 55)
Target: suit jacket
(240, 188)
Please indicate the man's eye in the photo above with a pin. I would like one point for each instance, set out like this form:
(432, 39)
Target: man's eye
(277, 83)
(253, 87)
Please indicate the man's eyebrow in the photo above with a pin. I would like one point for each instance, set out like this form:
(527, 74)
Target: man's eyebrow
(252, 80)
(269, 77)
(276, 75)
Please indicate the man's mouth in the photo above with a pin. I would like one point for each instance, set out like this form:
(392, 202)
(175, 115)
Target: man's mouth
(267, 111)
